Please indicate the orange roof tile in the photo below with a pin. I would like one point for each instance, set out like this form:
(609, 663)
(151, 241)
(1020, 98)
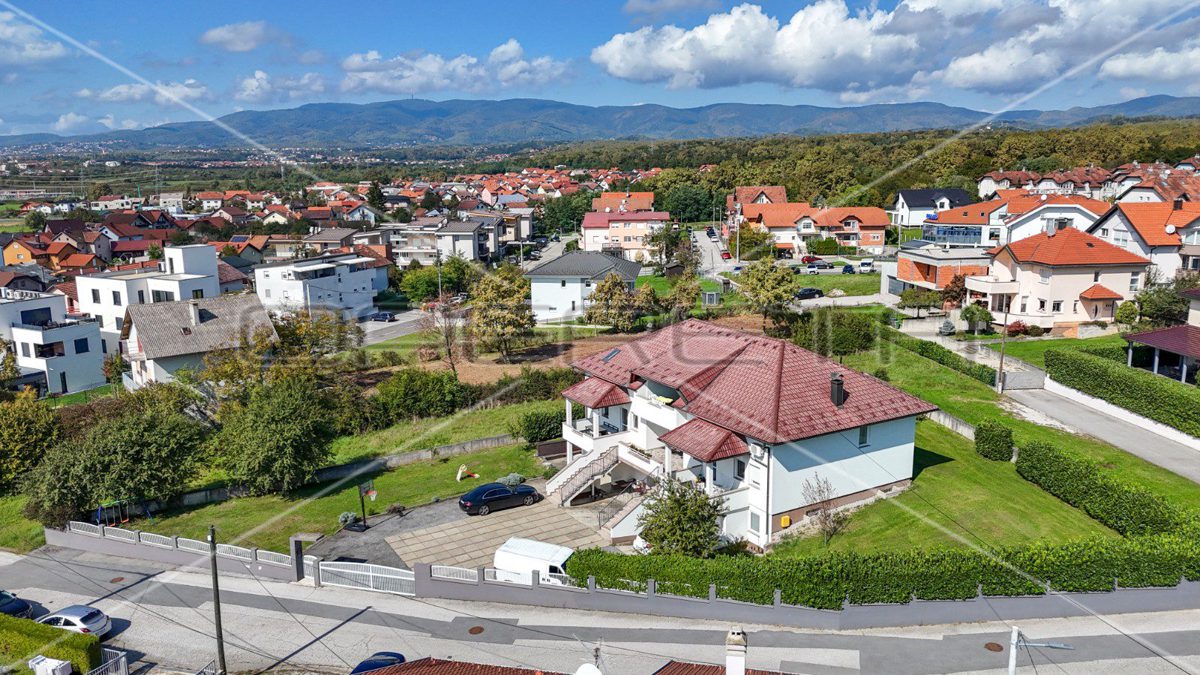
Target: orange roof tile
(1100, 292)
(1067, 247)
(1150, 220)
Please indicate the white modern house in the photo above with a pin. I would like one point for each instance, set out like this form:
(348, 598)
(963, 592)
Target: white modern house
(185, 273)
(473, 238)
(165, 337)
(561, 288)
(417, 240)
(338, 282)
(913, 206)
(1168, 233)
(746, 418)
(55, 353)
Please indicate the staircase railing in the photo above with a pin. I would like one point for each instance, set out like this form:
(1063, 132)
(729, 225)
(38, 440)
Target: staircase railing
(624, 497)
(599, 466)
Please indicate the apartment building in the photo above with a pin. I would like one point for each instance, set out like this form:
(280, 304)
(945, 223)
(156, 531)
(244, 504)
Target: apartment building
(339, 282)
(55, 353)
(622, 233)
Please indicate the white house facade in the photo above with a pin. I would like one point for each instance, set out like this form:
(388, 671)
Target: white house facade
(343, 283)
(55, 353)
(561, 288)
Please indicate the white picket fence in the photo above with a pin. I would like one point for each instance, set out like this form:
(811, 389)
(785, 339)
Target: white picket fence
(366, 576)
(180, 543)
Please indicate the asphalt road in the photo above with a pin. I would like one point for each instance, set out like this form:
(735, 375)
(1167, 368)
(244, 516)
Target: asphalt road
(164, 618)
(375, 332)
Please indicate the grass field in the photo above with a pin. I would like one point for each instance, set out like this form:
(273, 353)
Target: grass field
(12, 225)
(1033, 351)
(957, 499)
(852, 284)
(16, 532)
(662, 285)
(408, 344)
(82, 396)
(910, 233)
(975, 402)
(268, 522)
(435, 431)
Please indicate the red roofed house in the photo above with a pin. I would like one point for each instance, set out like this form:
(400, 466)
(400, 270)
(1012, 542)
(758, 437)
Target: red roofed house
(1010, 216)
(1168, 233)
(1059, 280)
(623, 201)
(1177, 348)
(623, 233)
(744, 196)
(743, 416)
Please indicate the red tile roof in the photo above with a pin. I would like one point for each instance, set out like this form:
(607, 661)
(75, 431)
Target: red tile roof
(1068, 246)
(753, 385)
(681, 668)
(1100, 292)
(68, 289)
(705, 441)
(228, 274)
(745, 195)
(596, 393)
(1176, 339)
(80, 260)
(971, 214)
(1151, 220)
(778, 215)
(601, 219)
(431, 666)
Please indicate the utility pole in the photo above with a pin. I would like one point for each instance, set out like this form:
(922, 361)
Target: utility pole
(212, 563)
(1003, 340)
(1017, 641)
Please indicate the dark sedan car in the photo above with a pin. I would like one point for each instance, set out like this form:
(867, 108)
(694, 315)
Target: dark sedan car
(495, 496)
(809, 293)
(378, 660)
(14, 606)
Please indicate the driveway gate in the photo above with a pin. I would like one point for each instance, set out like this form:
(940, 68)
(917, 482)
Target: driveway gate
(367, 577)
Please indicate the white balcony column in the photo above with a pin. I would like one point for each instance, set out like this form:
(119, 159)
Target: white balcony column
(1129, 355)
(1156, 352)
(709, 469)
(570, 412)
(595, 424)
(1183, 369)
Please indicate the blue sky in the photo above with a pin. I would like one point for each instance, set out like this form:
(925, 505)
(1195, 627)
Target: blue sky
(174, 60)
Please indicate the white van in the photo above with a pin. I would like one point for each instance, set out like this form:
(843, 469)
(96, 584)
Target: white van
(517, 560)
(866, 265)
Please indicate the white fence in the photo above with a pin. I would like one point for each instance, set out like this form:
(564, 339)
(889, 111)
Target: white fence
(180, 543)
(115, 663)
(366, 576)
(456, 573)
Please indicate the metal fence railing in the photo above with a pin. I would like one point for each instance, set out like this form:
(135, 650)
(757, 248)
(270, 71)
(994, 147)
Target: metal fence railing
(151, 539)
(231, 551)
(118, 533)
(192, 545)
(115, 663)
(367, 577)
(273, 557)
(456, 573)
(210, 669)
(85, 528)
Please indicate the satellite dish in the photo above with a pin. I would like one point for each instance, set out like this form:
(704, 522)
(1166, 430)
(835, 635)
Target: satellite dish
(1170, 229)
(588, 669)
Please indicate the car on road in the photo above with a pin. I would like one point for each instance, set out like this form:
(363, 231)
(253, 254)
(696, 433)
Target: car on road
(495, 496)
(726, 255)
(809, 293)
(555, 237)
(535, 255)
(378, 660)
(816, 267)
(79, 619)
(14, 606)
(541, 240)
(383, 316)
(810, 259)
(458, 299)
(848, 269)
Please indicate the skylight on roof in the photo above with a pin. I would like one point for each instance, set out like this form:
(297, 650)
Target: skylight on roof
(611, 355)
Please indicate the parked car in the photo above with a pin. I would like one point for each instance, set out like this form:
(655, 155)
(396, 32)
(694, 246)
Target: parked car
(810, 259)
(726, 255)
(866, 265)
(383, 316)
(79, 619)
(518, 559)
(555, 237)
(378, 660)
(14, 606)
(541, 240)
(535, 255)
(848, 269)
(495, 496)
(809, 293)
(816, 267)
(458, 299)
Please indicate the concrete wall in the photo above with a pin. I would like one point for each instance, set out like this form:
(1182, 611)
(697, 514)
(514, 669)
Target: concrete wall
(1122, 414)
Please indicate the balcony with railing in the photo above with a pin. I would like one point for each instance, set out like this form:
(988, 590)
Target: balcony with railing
(589, 436)
(958, 236)
(992, 285)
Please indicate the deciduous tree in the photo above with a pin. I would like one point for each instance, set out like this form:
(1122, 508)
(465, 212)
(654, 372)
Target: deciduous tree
(28, 429)
(678, 518)
(501, 315)
(684, 294)
(767, 286)
(612, 304)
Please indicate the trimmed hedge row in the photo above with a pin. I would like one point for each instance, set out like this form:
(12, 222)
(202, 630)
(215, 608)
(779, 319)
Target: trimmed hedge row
(1172, 403)
(937, 353)
(23, 639)
(828, 581)
(994, 441)
(1111, 352)
(1128, 509)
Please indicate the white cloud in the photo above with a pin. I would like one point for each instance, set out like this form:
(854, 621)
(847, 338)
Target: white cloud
(953, 9)
(238, 37)
(70, 122)
(1007, 66)
(505, 67)
(823, 45)
(109, 121)
(1158, 64)
(24, 44)
(262, 88)
(162, 93)
(311, 56)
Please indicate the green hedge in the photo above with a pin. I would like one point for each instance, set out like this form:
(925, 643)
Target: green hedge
(939, 354)
(827, 581)
(23, 639)
(994, 441)
(1164, 400)
(1128, 509)
(537, 426)
(1111, 352)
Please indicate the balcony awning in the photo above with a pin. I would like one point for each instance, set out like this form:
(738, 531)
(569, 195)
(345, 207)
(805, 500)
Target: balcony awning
(596, 393)
(1183, 340)
(705, 441)
(1100, 292)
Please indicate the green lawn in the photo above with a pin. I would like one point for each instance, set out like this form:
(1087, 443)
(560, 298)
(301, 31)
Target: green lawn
(408, 344)
(405, 344)
(852, 284)
(975, 402)
(12, 225)
(435, 431)
(1032, 351)
(956, 495)
(910, 233)
(273, 519)
(82, 396)
(16, 532)
(662, 285)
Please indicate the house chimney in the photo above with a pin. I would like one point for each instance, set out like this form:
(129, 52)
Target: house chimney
(735, 652)
(1177, 204)
(194, 310)
(837, 389)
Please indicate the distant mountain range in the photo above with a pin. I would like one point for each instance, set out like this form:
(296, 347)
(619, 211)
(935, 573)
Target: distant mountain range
(481, 122)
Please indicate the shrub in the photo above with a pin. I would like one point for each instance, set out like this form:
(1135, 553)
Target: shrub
(881, 373)
(1111, 352)
(23, 639)
(537, 426)
(939, 354)
(543, 384)
(1036, 331)
(1172, 403)
(512, 480)
(1128, 509)
(994, 441)
(1016, 328)
(416, 392)
(347, 518)
(827, 247)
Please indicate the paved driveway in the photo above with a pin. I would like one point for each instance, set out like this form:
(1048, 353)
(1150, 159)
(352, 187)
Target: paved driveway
(470, 542)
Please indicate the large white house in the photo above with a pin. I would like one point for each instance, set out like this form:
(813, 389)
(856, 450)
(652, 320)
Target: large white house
(747, 418)
(185, 273)
(561, 288)
(1168, 233)
(340, 282)
(55, 353)
(165, 337)
(913, 206)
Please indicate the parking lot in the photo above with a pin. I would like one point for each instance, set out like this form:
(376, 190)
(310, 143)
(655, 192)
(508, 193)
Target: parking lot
(470, 541)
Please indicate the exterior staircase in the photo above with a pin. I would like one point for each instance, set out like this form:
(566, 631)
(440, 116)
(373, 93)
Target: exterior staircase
(580, 473)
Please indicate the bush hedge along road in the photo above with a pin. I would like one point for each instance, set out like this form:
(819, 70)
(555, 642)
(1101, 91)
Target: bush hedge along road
(939, 354)
(23, 639)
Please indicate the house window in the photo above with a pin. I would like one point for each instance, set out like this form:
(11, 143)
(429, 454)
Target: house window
(1134, 278)
(739, 471)
(1044, 276)
(1041, 305)
(1104, 232)
(1075, 307)
(1096, 277)
(96, 295)
(141, 297)
(117, 298)
(562, 284)
(864, 436)
(755, 522)
(81, 346)
(198, 294)
(1056, 306)
(25, 349)
(119, 323)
